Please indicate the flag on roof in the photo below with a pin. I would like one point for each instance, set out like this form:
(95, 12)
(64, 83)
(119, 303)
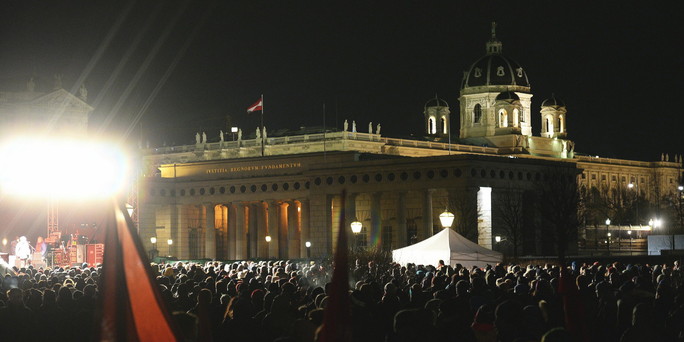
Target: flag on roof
(259, 105)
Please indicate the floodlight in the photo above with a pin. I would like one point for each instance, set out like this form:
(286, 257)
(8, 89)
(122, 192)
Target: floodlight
(59, 168)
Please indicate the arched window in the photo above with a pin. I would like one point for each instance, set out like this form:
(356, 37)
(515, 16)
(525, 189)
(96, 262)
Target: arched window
(444, 125)
(432, 126)
(503, 118)
(477, 113)
(516, 116)
(521, 116)
(549, 125)
(561, 124)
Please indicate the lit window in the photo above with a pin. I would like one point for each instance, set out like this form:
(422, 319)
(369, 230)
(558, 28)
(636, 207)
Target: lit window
(503, 118)
(444, 125)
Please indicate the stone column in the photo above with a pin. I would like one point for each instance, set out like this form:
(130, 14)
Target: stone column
(240, 232)
(376, 220)
(210, 231)
(175, 231)
(225, 225)
(273, 231)
(349, 216)
(147, 224)
(258, 227)
(319, 235)
(426, 230)
(304, 225)
(252, 232)
(293, 233)
(484, 222)
(402, 239)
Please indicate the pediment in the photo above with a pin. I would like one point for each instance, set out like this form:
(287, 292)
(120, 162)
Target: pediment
(61, 98)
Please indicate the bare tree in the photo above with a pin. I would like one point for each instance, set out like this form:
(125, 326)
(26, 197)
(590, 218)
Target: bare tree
(559, 208)
(508, 207)
(466, 217)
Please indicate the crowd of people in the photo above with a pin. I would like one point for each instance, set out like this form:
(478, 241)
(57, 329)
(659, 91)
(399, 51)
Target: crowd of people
(285, 301)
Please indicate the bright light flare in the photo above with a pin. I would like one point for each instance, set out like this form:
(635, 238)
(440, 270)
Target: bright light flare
(56, 168)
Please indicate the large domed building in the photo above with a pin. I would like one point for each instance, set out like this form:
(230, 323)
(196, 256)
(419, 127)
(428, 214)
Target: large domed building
(221, 199)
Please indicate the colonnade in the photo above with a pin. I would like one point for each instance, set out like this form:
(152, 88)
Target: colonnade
(237, 230)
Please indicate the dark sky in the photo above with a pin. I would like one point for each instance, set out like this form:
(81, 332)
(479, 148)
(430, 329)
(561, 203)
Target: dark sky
(616, 65)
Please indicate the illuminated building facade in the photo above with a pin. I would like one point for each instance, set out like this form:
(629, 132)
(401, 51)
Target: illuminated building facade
(221, 199)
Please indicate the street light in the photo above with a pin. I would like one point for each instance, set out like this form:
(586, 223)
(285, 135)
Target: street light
(153, 240)
(497, 239)
(446, 219)
(629, 232)
(268, 238)
(308, 249)
(356, 227)
(608, 233)
(636, 199)
(169, 242)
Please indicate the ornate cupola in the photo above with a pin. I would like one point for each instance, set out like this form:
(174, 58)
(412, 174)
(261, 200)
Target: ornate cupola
(553, 118)
(436, 112)
(495, 95)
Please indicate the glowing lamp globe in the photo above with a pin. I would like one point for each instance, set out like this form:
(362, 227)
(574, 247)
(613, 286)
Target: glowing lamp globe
(446, 219)
(356, 227)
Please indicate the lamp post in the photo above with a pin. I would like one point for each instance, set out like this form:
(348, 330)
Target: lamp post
(233, 130)
(446, 219)
(629, 232)
(608, 234)
(308, 249)
(356, 227)
(268, 242)
(633, 186)
(169, 242)
(153, 240)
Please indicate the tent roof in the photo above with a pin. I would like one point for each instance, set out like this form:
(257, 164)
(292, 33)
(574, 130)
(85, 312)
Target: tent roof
(447, 245)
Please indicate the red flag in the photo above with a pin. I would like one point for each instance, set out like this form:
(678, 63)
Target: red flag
(337, 324)
(132, 308)
(259, 105)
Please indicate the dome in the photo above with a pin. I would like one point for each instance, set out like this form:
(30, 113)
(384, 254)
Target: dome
(495, 69)
(436, 102)
(508, 96)
(553, 102)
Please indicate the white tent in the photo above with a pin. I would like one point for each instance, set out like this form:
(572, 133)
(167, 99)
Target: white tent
(449, 246)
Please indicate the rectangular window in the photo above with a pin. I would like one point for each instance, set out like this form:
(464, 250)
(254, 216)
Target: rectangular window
(584, 175)
(387, 238)
(603, 177)
(593, 177)
(613, 178)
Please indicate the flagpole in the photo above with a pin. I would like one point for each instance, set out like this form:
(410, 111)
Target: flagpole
(324, 131)
(262, 125)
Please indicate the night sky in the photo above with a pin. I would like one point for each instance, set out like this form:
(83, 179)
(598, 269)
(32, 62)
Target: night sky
(183, 67)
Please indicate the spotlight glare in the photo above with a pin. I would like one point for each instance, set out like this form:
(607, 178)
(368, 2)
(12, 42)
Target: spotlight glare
(58, 168)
